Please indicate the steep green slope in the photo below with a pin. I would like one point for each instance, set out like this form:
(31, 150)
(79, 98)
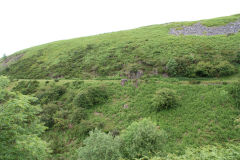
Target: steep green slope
(149, 50)
(205, 114)
(200, 111)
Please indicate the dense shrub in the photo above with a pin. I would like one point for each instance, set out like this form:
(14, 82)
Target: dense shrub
(3, 96)
(224, 68)
(209, 152)
(48, 110)
(238, 57)
(98, 146)
(235, 92)
(77, 84)
(77, 115)
(188, 66)
(164, 99)
(171, 67)
(204, 69)
(185, 66)
(91, 96)
(181, 66)
(27, 87)
(61, 119)
(20, 130)
(46, 82)
(3, 82)
(52, 94)
(217, 69)
(83, 99)
(142, 138)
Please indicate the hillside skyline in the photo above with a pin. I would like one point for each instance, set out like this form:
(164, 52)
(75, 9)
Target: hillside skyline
(27, 24)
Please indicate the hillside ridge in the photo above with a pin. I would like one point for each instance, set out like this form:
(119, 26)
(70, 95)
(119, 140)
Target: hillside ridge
(148, 50)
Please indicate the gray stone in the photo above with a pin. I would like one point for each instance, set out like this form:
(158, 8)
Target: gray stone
(123, 81)
(125, 106)
(199, 29)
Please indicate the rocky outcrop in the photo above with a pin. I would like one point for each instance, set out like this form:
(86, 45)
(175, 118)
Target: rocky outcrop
(199, 29)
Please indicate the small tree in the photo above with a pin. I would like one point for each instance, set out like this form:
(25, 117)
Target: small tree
(20, 130)
(141, 139)
(98, 146)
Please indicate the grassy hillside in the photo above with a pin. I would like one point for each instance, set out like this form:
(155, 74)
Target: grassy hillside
(206, 113)
(146, 50)
(186, 85)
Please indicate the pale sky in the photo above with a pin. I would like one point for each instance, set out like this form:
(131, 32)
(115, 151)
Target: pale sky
(26, 23)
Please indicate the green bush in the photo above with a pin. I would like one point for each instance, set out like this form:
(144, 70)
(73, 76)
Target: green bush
(204, 69)
(5, 95)
(90, 97)
(164, 99)
(171, 67)
(142, 138)
(46, 82)
(61, 119)
(52, 94)
(21, 129)
(181, 66)
(48, 110)
(83, 99)
(209, 152)
(98, 146)
(186, 65)
(3, 82)
(27, 87)
(216, 69)
(238, 57)
(77, 115)
(77, 84)
(235, 92)
(224, 68)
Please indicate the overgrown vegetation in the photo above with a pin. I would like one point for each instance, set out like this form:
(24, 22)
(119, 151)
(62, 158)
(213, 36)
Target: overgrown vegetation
(164, 99)
(150, 50)
(100, 145)
(90, 97)
(235, 92)
(196, 115)
(142, 139)
(209, 152)
(181, 99)
(26, 87)
(20, 128)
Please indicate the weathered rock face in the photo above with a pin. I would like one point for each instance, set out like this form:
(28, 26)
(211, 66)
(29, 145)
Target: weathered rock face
(135, 75)
(98, 114)
(125, 106)
(199, 29)
(165, 75)
(9, 60)
(123, 81)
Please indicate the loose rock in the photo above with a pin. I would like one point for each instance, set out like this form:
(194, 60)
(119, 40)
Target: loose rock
(199, 29)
